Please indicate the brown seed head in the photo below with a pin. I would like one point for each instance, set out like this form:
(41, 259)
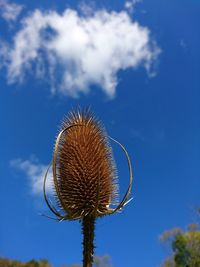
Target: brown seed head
(85, 169)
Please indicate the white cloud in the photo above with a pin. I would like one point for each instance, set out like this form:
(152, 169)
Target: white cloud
(35, 173)
(9, 11)
(129, 5)
(4, 51)
(75, 51)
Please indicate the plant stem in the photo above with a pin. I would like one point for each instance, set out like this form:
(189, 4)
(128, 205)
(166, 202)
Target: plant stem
(88, 224)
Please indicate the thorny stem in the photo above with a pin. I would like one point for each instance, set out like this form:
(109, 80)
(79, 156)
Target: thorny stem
(88, 224)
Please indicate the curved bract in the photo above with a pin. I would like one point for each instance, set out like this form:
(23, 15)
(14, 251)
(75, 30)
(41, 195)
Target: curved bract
(84, 172)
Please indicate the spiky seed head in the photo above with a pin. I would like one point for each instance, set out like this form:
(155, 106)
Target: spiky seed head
(86, 174)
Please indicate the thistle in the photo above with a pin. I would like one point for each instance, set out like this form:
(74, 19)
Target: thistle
(84, 176)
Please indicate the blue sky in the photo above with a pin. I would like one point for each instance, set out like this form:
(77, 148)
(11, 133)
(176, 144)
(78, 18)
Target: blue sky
(137, 66)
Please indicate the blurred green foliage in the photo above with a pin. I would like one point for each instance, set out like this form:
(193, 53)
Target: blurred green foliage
(185, 246)
(33, 263)
(103, 261)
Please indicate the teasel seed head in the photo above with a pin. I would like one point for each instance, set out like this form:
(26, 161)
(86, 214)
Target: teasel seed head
(85, 167)
(84, 171)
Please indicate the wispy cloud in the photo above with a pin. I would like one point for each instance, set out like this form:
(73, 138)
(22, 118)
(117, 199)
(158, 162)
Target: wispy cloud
(130, 4)
(35, 172)
(75, 51)
(9, 11)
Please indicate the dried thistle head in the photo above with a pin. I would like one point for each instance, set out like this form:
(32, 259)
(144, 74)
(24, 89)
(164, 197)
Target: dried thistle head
(84, 172)
(86, 177)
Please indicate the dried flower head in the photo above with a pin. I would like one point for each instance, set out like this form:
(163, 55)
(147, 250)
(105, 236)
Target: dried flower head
(84, 175)
(84, 171)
